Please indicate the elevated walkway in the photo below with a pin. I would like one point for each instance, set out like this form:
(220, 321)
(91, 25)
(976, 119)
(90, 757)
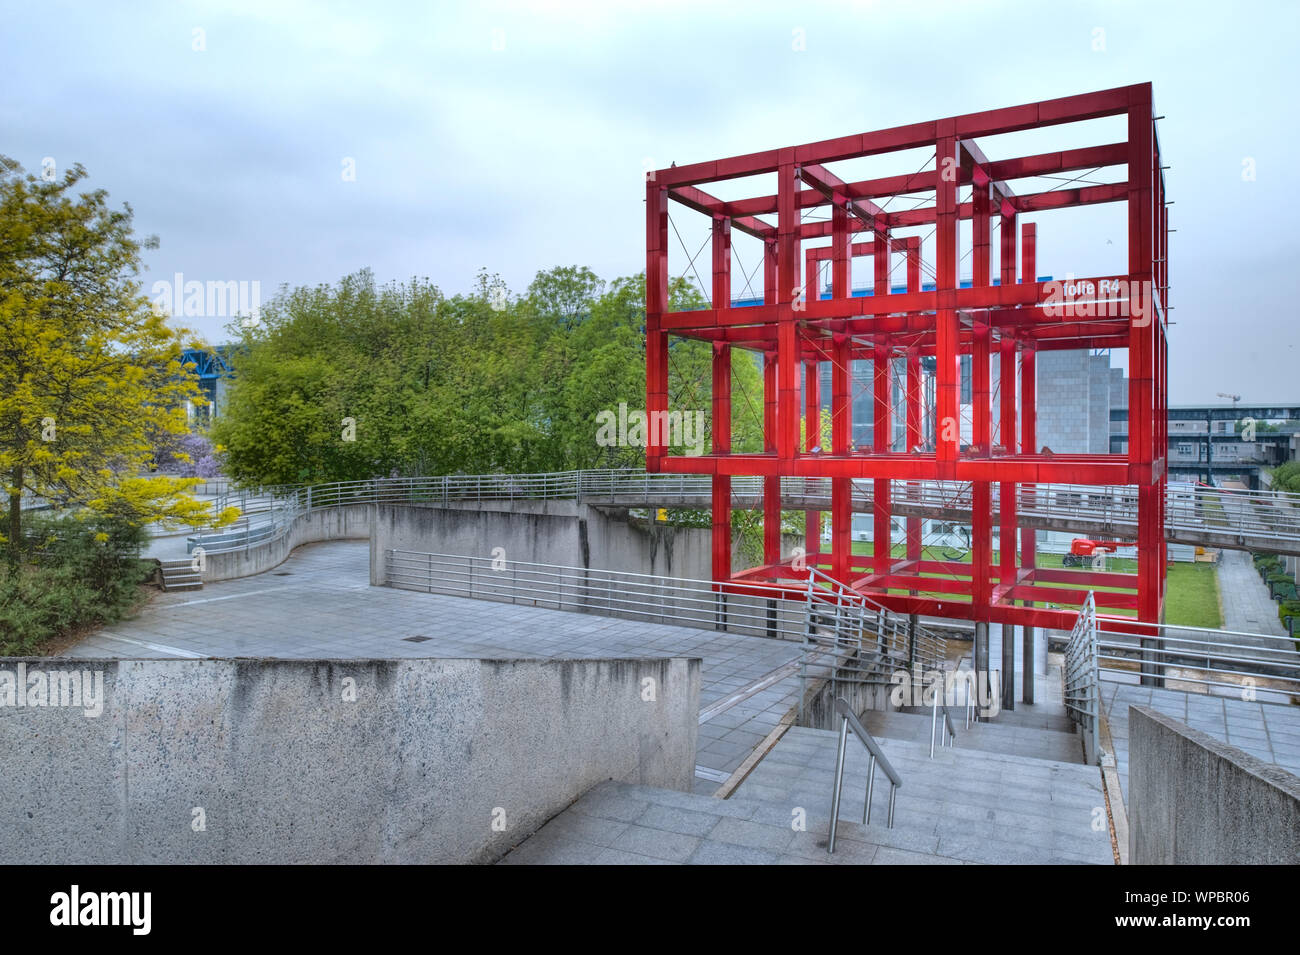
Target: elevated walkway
(1247, 520)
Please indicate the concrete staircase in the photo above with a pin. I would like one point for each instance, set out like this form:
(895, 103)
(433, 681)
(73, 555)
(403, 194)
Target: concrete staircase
(180, 575)
(999, 796)
(1041, 735)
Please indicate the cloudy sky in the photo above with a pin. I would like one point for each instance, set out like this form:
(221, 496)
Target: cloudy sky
(293, 142)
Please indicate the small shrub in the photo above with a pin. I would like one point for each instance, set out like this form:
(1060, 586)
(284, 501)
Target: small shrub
(74, 573)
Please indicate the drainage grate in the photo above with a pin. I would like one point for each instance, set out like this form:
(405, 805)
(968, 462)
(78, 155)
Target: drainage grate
(419, 639)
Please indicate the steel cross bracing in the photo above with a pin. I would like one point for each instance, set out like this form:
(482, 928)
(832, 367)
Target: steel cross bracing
(1004, 313)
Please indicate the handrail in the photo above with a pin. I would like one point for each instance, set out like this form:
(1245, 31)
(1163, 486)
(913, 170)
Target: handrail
(851, 722)
(863, 615)
(705, 604)
(1082, 683)
(946, 725)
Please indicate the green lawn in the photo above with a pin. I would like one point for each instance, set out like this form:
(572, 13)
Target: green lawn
(1192, 596)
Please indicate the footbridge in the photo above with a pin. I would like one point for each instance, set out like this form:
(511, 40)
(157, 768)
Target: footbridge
(1261, 521)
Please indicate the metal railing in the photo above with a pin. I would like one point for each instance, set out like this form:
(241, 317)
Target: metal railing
(1190, 512)
(851, 722)
(866, 641)
(676, 601)
(1204, 660)
(947, 733)
(1082, 681)
(855, 625)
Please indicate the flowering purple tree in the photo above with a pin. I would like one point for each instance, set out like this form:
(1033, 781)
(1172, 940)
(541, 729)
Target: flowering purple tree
(191, 455)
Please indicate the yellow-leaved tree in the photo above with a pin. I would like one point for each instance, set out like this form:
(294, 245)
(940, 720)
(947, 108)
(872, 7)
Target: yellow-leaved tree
(91, 376)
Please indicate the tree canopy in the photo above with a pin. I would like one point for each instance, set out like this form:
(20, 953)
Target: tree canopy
(91, 378)
(356, 380)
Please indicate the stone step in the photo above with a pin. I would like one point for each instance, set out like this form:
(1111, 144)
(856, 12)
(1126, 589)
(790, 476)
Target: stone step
(961, 807)
(992, 736)
(972, 805)
(180, 575)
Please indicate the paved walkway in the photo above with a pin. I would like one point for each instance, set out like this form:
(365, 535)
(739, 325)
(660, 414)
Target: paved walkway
(319, 603)
(1246, 603)
(1268, 731)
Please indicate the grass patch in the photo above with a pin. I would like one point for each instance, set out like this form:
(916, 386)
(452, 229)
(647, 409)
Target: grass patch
(1192, 596)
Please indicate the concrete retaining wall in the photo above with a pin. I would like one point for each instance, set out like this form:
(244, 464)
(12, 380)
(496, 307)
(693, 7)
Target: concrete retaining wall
(545, 532)
(1194, 800)
(574, 535)
(347, 522)
(281, 766)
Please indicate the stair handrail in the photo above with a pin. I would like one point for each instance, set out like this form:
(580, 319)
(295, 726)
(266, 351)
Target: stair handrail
(841, 596)
(945, 727)
(850, 721)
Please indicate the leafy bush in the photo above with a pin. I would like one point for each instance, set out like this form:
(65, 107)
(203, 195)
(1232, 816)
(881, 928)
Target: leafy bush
(1289, 608)
(75, 572)
(1267, 564)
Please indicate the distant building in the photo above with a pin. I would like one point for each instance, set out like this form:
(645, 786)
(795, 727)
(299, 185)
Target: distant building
(212, 367)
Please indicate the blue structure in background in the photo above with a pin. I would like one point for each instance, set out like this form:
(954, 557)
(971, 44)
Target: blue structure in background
(212, 367)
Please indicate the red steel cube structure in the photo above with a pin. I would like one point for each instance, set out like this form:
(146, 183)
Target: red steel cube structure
(1012, 318)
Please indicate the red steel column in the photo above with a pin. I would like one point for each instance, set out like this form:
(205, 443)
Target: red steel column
(1007, 424)
(721, 402)
(1141, 358)
(1028, 391)
(882, 419)
(947, 417)
(656, 302)
(1028, 443)
(787, 268)
(841, 402)
(981, 417)
(882, 432)
(913, 440)
(1007, 434)
(771, 482)
(981, 490)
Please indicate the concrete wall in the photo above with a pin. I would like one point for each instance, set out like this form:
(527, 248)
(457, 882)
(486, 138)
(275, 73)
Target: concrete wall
(553, 532)
(575, 535)
(287, 770)
(348, 522)
(1194, 800)
(545, 532)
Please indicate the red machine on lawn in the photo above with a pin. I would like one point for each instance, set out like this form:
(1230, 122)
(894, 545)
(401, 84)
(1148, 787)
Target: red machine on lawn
(1083, 550)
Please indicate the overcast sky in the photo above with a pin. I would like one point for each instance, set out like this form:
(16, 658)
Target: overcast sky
(513, 137)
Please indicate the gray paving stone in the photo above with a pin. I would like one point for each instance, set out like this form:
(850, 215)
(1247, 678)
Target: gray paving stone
(685, 821)
(656, 843)
(721, 853)
(746, 832)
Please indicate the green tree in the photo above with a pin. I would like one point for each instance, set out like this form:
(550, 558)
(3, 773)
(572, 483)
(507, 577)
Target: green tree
(90, 375)
(481, 382)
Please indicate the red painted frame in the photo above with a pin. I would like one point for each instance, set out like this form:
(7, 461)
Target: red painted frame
(796, 330)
